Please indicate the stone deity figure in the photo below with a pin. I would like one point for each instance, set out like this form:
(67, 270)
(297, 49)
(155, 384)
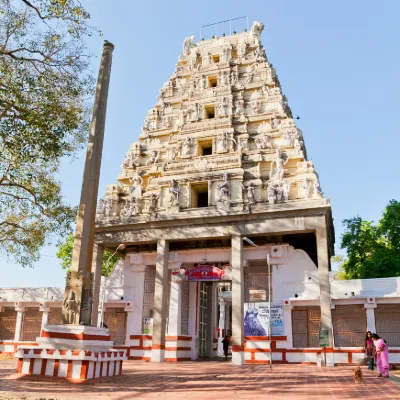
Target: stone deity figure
(153, 158)
(152, 205)
(188, 44)
(275, 123)
(223, 79)
(71, 306)
(263, 142)
(288, 139)
(317, 189)
(224, 191)
(187, 146)
(134, 210)
(280, 193)
(265, 90)
(286, 188)
(221, 108)
(226, 53)
(224, 142)
(278, 172)
(136, 190)
(125, 209)
(238, 107)
(251, 193)
(174, 190)
(100, 207)
(107, 206)
(171, 154)
(167, 123)
(256, 107)
(271, 193)
(234, 78)
(306, 186)
(248, 75)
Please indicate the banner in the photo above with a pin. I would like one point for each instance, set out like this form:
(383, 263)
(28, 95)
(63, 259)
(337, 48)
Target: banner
(204, 272)
(256, 319)
(148, 326)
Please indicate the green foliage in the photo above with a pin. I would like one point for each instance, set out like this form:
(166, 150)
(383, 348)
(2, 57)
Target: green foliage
(45, 86)
(64, 254)
(373, 251)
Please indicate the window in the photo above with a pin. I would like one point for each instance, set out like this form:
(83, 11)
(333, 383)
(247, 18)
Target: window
(209, 112)
(200, 195)
(212, 81)
(216, 58)
(205, 148)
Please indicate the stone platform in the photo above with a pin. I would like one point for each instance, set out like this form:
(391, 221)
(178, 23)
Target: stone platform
(72, 352)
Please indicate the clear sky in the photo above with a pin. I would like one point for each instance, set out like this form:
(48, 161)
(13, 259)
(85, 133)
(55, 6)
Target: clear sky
(337, 61)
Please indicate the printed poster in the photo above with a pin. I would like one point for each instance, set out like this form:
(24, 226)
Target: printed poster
(256, 319)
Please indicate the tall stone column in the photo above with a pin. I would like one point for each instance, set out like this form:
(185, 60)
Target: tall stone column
(324, 283)
(97, 264)
(77, 304)
(237, 301)
(18, 324)
(221, 326)
(160, 302)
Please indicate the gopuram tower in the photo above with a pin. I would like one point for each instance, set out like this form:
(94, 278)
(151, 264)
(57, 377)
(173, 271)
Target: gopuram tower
(219, 158)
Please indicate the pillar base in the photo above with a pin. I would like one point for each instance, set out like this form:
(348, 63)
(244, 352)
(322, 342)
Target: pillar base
(71, 352)
(238, 358)
(157, 355)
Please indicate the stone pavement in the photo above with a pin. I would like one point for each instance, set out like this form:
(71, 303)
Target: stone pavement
(207, 380)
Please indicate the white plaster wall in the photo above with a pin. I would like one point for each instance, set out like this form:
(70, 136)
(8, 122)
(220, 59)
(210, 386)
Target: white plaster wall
(301, 357)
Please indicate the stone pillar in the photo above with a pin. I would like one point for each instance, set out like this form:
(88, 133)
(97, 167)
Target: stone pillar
(160, 302)
(18, 325)
(175, 309)
(237, 301)
(77, 308)
(287, 324)
(97, 264)
(221, 326)
(324, 283)
(370, 309)
(45, 316)
(135, 318)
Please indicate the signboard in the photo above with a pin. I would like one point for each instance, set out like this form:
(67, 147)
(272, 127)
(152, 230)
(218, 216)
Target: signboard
(256, 319)
(324, 338)
(205, 272)
(148, 326)
(257, 295)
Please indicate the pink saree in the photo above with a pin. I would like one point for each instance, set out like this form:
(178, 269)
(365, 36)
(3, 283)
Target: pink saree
(382, 357)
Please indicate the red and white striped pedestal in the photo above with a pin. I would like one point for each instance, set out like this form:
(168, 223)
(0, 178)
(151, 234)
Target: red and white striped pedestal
(72, 352)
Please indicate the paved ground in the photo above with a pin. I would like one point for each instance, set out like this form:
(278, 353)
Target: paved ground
(208, 380)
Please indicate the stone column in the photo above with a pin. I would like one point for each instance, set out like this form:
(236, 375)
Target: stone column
(45, 316)
(221, 326)
(77, 308)
(324, 283)
(175, 309)
(370, 309)
(237, 301)
(160, 302)
(97, 264)
(18, 325)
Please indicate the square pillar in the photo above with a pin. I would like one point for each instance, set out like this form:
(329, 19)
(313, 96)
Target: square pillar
(175, 309)
(370, 309)
(45, 315)
(160, 302)
(221, 325)
(18, 325)
(237, 301)
(324, 282)
(97, 264)
(193, 327)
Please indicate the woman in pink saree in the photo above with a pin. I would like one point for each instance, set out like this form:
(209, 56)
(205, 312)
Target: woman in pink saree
(382, 356)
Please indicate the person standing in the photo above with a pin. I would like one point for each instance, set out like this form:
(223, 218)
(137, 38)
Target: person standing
(369, 350)
(382, 356)
(225, 343)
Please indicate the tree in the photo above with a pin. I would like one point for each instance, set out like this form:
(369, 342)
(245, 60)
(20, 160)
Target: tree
(45, 84)
(373, 251)
(64, 254)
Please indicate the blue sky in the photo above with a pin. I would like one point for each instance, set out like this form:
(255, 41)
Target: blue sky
(338, 64)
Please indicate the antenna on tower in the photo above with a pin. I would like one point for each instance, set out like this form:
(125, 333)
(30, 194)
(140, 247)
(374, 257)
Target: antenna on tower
(221, 22)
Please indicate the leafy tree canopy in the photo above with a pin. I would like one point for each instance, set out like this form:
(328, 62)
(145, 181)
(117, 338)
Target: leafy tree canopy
(373, 250)
(45, 85)
(64, 254)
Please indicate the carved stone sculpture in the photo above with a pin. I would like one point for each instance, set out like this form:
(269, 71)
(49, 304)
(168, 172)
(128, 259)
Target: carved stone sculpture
(317, 189)
(136, 189)
(271, 193)
(275, 123)
(152, 203)
(251, 193)
(264, 127)
(221, 108)
(174, 190)
(107, 206)
(153, 158)
(187, 146)
(306, 186)
(239, 107)
(188, 44)
(100, 207)
(278, 172)
(234, 78)
(224, 191)
(256, 31)
(263, 142)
